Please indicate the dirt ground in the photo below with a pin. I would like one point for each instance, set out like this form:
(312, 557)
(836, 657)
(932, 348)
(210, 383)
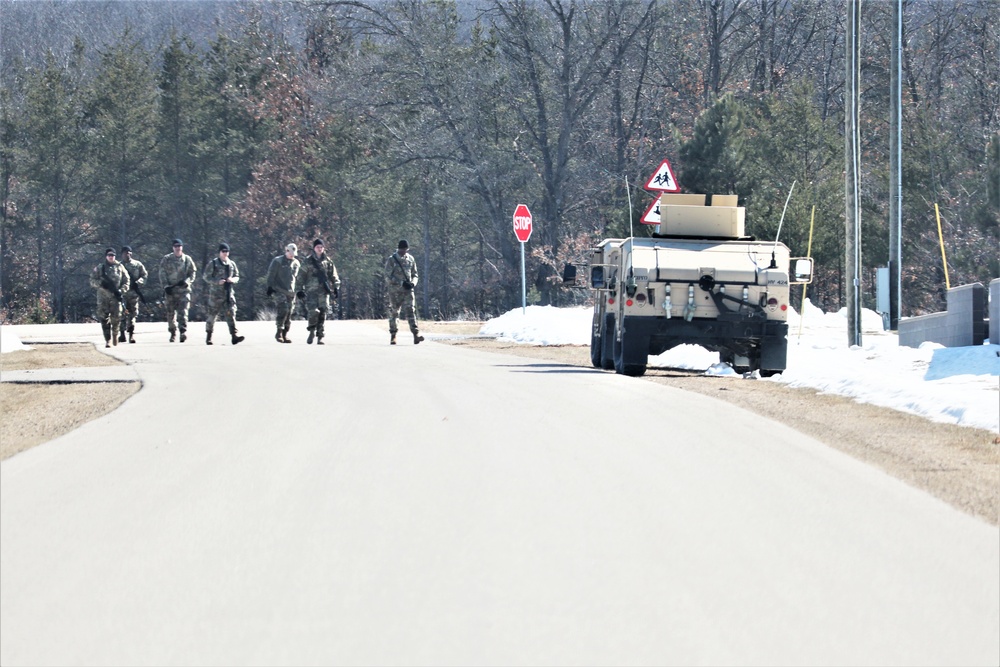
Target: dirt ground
(957, 464)
(38, 412)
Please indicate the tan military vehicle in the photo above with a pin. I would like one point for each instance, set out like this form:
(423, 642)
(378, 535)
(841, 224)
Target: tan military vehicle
(699, 280)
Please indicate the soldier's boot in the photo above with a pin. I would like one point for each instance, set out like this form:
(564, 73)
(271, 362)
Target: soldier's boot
(417, 339)
(279, 336)
(108, 333)
(312, 335)
(238, 339)
(107, 342)
(131, 336)
(121, 336)
(208, 338)
(284, 337)
(392, 338)
(184, 336)
(173, 336)
(319, 340)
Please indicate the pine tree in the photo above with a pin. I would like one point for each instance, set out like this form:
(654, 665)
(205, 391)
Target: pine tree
(54, 168)
(123, 117)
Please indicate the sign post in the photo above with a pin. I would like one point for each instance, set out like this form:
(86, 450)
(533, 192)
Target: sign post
(522, 230)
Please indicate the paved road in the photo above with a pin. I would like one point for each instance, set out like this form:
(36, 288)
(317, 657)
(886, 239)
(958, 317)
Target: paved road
(366, 504)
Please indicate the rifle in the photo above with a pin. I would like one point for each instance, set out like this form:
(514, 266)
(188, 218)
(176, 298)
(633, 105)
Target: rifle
(229, 286)
(322, 276)
(142, 297)
(170, 288)
(114, 289)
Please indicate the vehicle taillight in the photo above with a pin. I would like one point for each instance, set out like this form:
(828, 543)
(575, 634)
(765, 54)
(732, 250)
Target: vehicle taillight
(611, 300)
(628, 302)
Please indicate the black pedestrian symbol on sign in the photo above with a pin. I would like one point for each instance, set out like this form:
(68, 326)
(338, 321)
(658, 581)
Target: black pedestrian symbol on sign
(664, 179)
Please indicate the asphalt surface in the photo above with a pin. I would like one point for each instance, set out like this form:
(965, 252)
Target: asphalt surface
(358, 503)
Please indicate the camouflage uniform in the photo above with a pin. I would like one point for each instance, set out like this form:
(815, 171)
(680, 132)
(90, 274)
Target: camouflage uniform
(400, 269)
(317, 296)
(281, 277)
(109, 304)
(221, 298)
(137, 276)
(177, 275)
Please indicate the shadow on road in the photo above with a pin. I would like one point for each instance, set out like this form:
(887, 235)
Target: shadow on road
(548, 368)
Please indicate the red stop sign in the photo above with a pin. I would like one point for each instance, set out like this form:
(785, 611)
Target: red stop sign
(522, 223)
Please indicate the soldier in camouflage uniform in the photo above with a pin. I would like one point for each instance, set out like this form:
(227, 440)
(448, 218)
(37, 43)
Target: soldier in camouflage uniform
(177, 273)
(281, 277)
(401, 279)
(221, 274)
(111, 281)
(319, 282)
(137, 276)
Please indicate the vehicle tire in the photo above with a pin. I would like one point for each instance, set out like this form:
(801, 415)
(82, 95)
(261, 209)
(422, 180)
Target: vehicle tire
(768, 372)
(596, 345)
(607, 343)
(631, 370)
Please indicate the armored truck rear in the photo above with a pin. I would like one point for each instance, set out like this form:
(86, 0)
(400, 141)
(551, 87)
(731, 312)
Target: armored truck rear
(700, 280)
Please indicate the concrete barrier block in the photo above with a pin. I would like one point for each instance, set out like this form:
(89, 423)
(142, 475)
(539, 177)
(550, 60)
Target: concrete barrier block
(963, 324)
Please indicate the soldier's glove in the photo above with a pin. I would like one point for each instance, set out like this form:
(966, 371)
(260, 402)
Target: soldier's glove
(168, 290)
(300, 294)
(407, 284)
(336, 292)
(270, 291)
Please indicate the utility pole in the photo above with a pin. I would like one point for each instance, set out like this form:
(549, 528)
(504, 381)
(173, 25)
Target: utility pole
(896, 168)
(852, 176)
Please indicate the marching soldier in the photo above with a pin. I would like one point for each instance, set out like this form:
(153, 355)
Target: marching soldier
(177, 272)
(401, 279)
(281, 277)
(221, 274)
(319, 282)
(137, 278)
(111, 281)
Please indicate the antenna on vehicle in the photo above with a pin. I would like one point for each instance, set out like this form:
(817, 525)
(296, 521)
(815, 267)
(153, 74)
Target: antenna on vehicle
(774, 264)
(630, 285)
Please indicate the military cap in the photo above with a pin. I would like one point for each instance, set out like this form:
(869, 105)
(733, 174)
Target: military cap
(223, 246)
(109, 251)
(178, 242)
(318, 242)
(126, 248)
(403, 244)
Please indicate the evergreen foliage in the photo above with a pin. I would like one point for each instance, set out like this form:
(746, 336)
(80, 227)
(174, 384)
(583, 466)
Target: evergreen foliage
(363, 123)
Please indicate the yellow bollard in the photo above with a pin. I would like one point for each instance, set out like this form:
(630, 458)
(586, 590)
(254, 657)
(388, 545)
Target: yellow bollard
(944, 260)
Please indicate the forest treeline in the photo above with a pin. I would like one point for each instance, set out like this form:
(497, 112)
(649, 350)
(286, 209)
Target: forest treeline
(364, 122)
